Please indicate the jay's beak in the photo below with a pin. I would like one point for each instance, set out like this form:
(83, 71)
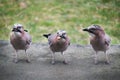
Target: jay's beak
(16, 30)
(88, 30)
(85, 29)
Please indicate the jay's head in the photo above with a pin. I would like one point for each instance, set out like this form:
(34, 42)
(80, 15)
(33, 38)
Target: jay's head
(18, 28)
(61, 34)
(94, 30)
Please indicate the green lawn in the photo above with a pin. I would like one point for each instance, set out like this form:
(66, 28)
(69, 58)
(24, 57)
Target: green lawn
(48, 16)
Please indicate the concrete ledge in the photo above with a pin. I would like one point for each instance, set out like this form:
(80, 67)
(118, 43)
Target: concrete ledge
(80, 57)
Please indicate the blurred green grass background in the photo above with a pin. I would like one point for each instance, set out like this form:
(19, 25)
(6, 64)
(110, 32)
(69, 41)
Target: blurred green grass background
(48, 16)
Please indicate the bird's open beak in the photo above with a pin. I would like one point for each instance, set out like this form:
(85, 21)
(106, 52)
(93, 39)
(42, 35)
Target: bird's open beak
(88, 30)
(63, 37)
(16, 30)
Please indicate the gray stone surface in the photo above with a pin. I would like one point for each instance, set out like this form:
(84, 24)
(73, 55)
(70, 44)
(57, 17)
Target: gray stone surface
(80, 57)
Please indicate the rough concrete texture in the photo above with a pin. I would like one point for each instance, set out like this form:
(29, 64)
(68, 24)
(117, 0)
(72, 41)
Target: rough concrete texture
(80, 57)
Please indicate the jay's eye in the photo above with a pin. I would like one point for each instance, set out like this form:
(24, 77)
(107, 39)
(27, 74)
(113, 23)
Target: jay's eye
(18, 27)
(64, 33)
(93, 29)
